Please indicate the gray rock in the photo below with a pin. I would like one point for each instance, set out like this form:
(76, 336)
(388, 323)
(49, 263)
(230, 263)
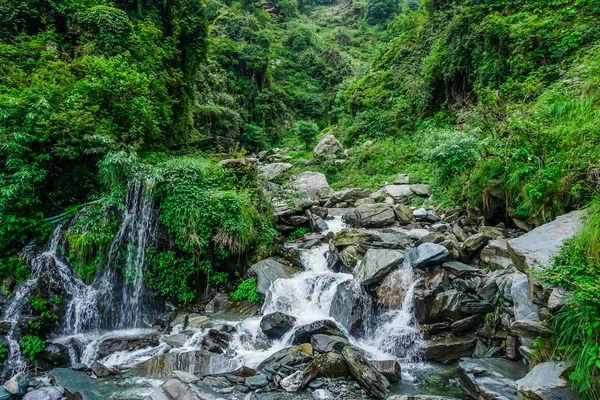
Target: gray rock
(400, 193)
(459, 233)
(327, 343)
(419, 397)
(277, 324)
(376, 264)
(546, 381)
(446, 306)
(350, 305)
(427, 254)
(219, 303)
(351, 195)
(457, 268)
(198, 362)
(530, 329)
(268, 271)
(293, 382)
(55, 355)
(126, 343)
(216, 382)
(256, 382)
(322, 394)
(350, 256)
(366, 200)
(389, 368)
(347, 237)
(420, 190)
(466, 324)
(275, 170)
(524, 309)
(402, 179)
(374, 215)
(317, 224)
(404, 214)
(365, 373)
(490, 378)
(558, 298)
(327, 365)
(392, 290)
(102, 371)
(417, 234)
(536, 248)
(449, 349)
(291, 356)
(324, 327)
(295, 220)
(79, 367)
(329, 147)
(474, 243)
(314, 185)
(46, 393)
(5, 394)
(17, 384)
(176, 389)
(185, 377)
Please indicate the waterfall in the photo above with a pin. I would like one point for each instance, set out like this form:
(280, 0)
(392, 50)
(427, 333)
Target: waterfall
(125, 307)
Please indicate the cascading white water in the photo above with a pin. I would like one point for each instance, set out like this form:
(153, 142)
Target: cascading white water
(135, 234)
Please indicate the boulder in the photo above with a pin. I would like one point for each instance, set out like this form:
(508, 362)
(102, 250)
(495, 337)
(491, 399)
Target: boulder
(329, 147)
(293, 382)
(324, 327)
(449, 349)
(350, 256)
(546, 381)
(46, 393)
(55, 355)
(268, 271)
(404, 214)
(291, 356)
(474, 243)
(490, 378)
(348, 237)
(129, 343)
(323, 394)
(446, 306)
(400, 193)
(198, 362)
(277, 324)
(530, 329)
(326, 343)
(376, 264)
(374, 215)
(176, 389)
(17, 384)
(328, 365)
(217, 339)
(558, 298)
(102, 371)
(466, 324)
(459, 269)
(316, 223)
(389, 368)
(402, 179)
(535, 249)
(365, 373)
(420, 190)
(523, 309)
(350, 305)
(349, 195)
(392, 290)
(314, 185)
(427, 254)
(274, 170)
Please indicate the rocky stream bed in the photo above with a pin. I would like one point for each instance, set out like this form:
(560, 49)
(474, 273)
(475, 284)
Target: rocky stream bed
(380, 300)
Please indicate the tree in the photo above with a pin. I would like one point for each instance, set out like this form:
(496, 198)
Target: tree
(306, 132)
(379, 11)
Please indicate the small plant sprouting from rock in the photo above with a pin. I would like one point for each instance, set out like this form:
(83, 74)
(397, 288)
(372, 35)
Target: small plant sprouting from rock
(247, 291)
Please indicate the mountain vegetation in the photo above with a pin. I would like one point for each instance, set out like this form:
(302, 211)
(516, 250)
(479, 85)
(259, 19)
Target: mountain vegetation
(495, 103)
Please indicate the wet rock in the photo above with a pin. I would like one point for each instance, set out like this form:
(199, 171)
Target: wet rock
(523, 306)
(326, 343)
(113, 345)
(546, 381)
(293, 382)
(322, 394)
(314, 185)
(490, 378)
(17, 384)
(476, 307)
(365, 373)
(530, 329)
(316, 223)
(198, 362)
(274, 170)
(419, 397)
(325, 327)
(79, 367)
(449, 349)
(389, 368)
(393, 288)
(102, 371)
(351, 305)
(376, 264)
(328, 365)
(374, 215)
(268, 271)
(256, 382)
(294, 355)
(277, 324)
(218, 382)
(474, 243)
(295, 220)
(350, 256)
(176, 389)
(217, 339)
(46, 393)
(219, 303)
(329, 147)
(348, 237)
(177, 340)
(427, 254)
(55, 355)
(457, 268)
(185, 377)
(536, 248)
(404, 214)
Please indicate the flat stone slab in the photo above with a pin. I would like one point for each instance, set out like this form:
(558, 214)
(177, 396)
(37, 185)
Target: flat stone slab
(490, 378)
(546, 381)
(535, 249)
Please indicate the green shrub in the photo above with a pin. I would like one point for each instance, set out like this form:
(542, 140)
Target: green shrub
(3, 353)
(297, 234)
(31, 346)
(306, 132)
(247, 291)
(171, 276)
